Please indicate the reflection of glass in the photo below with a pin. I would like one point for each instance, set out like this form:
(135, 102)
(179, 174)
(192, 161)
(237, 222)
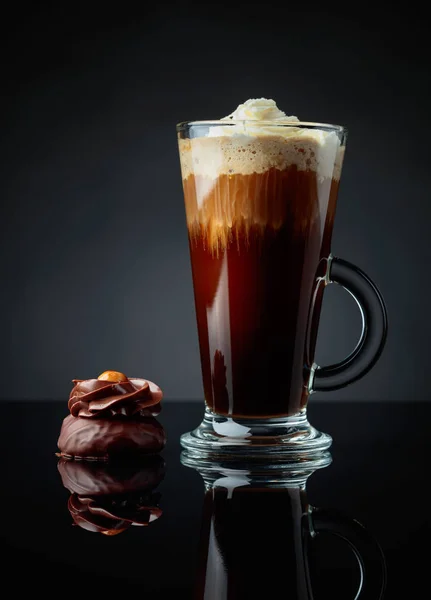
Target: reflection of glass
(258, 532)
(108, 498)
(260, 206)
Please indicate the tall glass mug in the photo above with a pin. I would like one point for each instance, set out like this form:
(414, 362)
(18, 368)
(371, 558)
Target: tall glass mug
(260, 200)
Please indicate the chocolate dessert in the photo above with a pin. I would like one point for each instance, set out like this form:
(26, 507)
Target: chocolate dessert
(109, 498)
(112, 417)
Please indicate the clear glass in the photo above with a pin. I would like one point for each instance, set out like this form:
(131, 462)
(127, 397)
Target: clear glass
(258, 529)
(260, 202)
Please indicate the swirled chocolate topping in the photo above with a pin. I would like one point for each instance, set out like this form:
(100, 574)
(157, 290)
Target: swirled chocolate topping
(103, 397)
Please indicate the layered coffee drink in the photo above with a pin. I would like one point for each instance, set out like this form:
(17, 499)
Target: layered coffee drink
(260, 192)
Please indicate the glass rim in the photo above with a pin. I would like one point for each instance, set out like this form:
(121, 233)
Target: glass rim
(230, 122)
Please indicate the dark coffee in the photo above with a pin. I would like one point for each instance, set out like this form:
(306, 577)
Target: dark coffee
(260, 221)
(253, 544)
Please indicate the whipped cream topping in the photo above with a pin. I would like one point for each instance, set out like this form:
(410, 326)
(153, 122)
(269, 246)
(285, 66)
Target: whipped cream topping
(259, 109)
(256, 111)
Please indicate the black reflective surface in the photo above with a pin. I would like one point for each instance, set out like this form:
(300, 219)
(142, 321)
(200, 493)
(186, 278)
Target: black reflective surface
(151, 529)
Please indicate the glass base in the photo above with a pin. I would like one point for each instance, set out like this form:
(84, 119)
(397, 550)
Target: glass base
(285, 439)
(289, 470)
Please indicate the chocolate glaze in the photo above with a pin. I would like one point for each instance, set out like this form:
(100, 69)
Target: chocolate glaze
(93, 398)
(108, 439)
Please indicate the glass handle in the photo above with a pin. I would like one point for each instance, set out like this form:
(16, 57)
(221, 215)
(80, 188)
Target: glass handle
(370, 557)
(374, 329)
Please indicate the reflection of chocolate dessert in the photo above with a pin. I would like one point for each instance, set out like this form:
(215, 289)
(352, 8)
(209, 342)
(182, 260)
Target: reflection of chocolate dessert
(112, 417)
(108, 498)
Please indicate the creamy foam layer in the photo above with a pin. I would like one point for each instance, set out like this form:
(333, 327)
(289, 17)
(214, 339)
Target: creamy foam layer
(258, 137)
(245, 176)
(308, 150)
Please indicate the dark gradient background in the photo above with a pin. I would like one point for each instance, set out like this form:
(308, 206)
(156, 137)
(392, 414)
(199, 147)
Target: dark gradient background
(94, 264)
